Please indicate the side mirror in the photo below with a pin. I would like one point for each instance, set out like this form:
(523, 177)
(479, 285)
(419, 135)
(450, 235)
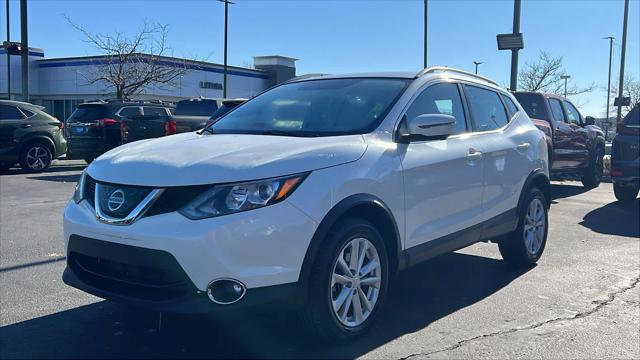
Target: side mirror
(429, 127)
(589, 120)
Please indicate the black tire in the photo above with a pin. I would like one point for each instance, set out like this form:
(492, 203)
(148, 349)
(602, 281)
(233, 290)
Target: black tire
(513, 247)
(625, 194)
(36, 157)
(593, 173)
(320, 289)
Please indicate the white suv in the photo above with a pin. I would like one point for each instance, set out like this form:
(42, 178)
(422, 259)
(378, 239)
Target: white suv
(318, 192)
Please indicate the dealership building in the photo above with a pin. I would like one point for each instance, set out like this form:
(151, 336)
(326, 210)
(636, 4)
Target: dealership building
(60, 84)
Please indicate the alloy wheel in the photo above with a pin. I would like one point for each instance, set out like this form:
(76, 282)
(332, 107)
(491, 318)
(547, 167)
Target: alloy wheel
(534, 226)
(355, 282)
(38, 158)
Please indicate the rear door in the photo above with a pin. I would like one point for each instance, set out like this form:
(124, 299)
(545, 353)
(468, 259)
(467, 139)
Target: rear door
(11, 123)
(579, 135)
(564, 152)
(505, 154)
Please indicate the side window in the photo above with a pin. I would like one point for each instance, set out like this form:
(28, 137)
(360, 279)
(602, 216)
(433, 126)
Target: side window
(556, 109)
(487, 110)
(8, 112)
(129, 111)
(573, 116)
(443, 98)
(511, 107)
(154, 111)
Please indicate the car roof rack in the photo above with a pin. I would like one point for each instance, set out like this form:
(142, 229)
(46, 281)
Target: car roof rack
(452, 70)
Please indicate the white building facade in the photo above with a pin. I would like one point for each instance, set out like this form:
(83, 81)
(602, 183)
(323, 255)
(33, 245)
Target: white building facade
(60, 84)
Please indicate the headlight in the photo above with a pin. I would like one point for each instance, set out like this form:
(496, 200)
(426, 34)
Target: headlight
(232, 198)
(78, 194)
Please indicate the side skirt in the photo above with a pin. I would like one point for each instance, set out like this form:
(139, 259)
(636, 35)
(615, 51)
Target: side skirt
(490, 229)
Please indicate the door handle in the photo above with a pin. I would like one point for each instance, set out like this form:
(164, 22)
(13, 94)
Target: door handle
(25, 126)
(523, 146)
(474, 155)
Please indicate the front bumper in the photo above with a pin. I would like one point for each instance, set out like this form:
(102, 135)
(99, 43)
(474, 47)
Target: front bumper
(261, 248)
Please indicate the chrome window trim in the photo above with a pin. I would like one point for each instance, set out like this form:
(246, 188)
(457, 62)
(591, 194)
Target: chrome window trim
(134, 215)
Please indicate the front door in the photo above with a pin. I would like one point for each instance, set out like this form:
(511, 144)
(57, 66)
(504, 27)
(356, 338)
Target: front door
(443, 178)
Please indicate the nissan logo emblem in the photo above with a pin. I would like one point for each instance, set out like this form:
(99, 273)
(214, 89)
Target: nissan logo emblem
(116, 200)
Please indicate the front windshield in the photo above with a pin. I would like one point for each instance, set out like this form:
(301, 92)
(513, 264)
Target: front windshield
(315, 108)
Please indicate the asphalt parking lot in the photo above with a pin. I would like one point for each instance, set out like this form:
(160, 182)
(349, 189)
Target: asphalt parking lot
(581, 301)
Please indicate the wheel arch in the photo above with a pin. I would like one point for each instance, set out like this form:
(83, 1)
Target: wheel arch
(39, 138)
(540, 180)
(365, 206)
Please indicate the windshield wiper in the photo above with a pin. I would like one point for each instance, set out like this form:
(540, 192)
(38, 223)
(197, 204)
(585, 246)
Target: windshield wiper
(287, 133)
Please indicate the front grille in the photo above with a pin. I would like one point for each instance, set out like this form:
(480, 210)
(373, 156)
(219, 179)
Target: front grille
(128, 270)
(172, 199)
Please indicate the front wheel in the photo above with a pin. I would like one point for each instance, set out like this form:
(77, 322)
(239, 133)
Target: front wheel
(36, 157)
(525, 245)
(593, 174)
(625, 194)
(348, 281)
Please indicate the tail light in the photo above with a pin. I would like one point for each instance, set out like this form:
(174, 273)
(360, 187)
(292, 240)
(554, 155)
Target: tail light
(104, 122)
(123, 131)
(170, 128)
(623, 129)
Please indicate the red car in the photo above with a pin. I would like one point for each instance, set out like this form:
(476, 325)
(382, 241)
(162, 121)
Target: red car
(576, 144)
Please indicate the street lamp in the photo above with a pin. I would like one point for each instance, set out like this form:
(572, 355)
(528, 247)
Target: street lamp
(226, 15)
(565, 78)
(477, 63)
(610, 38)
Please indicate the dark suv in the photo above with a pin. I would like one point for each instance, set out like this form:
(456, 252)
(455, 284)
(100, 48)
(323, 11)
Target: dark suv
(576, 145)
(29, 136)
(625, 157)
(94, 127)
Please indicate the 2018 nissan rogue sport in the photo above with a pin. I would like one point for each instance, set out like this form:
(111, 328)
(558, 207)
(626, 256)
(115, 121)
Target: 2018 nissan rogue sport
(317, 192)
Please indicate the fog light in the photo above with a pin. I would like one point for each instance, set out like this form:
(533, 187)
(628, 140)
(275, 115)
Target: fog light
(225, 291)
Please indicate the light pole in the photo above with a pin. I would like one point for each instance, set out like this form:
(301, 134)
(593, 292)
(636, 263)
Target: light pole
(226, 16)
(565, 78)
(477, 63)
(426, 13)
(622, 55)
(8, 56)
(610, 38)
(24, 64)
(514, 53)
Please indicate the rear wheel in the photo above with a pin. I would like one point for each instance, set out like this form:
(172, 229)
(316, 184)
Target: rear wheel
(525, 245)
(36, 157)
(625, 193)
(348, 282)
(593, 174)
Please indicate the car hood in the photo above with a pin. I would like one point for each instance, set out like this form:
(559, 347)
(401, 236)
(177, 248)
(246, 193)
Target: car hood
(194, 159)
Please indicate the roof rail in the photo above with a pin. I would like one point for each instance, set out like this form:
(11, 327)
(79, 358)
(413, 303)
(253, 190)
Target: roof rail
(448, 69)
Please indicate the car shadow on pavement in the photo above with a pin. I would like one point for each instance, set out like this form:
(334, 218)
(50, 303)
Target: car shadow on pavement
(52, 169)
(57, 178)
(420, 296)
(615, 218)
(561, 191)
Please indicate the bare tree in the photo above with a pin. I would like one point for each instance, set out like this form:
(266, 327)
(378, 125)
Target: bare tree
(544, 75)
(133, 63)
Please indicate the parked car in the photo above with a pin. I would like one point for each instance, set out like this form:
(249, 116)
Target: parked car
(227, 105)
(625, 158)
(577, 147)
(316, 192)
(193, 114)
(94, 127)
(153, 122)
(29, 136)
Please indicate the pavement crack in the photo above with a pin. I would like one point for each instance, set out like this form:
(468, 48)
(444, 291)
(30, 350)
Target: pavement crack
(600, 304)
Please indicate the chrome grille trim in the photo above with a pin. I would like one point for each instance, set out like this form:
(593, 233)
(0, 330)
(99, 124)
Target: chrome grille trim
(136, 213)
